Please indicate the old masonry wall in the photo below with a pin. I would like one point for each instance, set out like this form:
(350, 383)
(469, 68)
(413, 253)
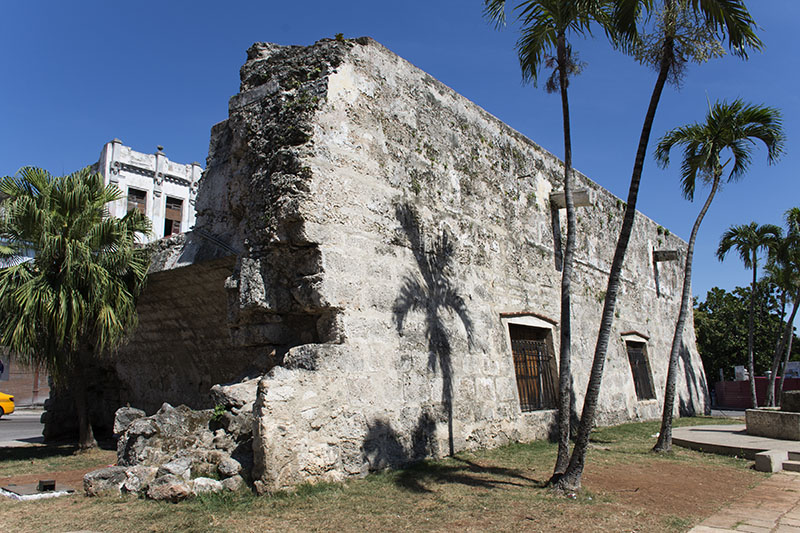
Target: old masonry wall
(365, 240)
(401, 229)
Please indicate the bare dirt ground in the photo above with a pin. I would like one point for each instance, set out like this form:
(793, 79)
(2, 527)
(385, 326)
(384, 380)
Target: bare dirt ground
(626, 488)
(646, 494)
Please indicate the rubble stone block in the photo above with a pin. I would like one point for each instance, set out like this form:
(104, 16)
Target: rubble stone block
(169, 488)
(203, 485)
(138, 478)
(233, 483)
(124, 417)
(179, 468)
(229, 467)
(104, 481)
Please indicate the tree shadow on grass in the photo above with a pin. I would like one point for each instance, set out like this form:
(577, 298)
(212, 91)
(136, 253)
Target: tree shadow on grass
(49, 451)
(457, 470)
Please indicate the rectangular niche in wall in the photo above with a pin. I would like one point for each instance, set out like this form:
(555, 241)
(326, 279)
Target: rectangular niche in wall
(642, 380)
(535, 366)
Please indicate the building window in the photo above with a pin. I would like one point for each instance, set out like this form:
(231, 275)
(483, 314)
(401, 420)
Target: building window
(637, 356)
(137, 200)
(535, 366)
(172, 216)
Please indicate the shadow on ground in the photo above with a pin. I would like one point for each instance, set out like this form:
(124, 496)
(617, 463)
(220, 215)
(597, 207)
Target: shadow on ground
(419, 477)
(31, 453)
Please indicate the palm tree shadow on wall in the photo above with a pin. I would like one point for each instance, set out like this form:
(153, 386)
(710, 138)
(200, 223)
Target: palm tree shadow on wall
(435, 295)
(685, 406)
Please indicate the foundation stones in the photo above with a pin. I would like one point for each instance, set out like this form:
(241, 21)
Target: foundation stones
(170, 488)
(105, 481)
(204, 485)
(171, 454)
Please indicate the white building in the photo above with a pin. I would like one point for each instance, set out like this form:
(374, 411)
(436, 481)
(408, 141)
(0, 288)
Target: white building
(162, 190)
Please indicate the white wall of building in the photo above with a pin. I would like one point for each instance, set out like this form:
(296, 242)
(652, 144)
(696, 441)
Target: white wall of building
(155, 175)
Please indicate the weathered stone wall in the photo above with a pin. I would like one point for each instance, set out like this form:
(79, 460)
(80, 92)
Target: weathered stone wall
(390, 230)
(365, 236)
(181, 347)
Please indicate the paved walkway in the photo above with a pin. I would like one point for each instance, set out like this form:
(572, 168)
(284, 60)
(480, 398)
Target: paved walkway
(772, 506)
(729, 439)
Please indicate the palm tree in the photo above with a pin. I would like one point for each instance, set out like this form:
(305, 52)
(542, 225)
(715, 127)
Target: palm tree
(732, 129)
(748, 239)
(685, 31)
(545, 25)
(783, 271)
(75, 298)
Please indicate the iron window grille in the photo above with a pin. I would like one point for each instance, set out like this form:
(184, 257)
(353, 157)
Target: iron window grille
(535, 367)
(642, 382)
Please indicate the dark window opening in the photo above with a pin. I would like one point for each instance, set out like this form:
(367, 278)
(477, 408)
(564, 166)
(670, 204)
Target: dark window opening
(137, 200)
(637, 356)
(534, 365)
(172, 216)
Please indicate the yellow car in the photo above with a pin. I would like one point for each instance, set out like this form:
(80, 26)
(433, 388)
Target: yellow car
(6, 404)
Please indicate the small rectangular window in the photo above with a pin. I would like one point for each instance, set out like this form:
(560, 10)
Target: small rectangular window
(172, 216)
(637, 356)
(534, 365)
(137, 200)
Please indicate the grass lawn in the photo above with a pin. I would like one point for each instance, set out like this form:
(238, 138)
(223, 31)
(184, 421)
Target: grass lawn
(627, 488)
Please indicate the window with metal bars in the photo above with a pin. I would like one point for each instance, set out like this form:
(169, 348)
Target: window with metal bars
(534, 365)
(637, 356)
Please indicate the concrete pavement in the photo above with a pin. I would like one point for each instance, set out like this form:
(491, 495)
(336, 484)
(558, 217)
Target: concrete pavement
(729, 440)
(773, 506)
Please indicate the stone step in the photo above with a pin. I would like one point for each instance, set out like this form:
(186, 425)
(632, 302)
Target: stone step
(794, 456)
(771, 460)
(792, 466)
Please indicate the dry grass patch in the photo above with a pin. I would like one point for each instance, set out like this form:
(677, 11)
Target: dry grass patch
(627, 489)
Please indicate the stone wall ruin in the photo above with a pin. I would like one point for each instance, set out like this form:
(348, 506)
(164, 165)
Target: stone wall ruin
(386, 235)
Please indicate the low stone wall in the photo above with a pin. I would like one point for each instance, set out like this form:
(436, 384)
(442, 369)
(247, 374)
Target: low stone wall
(773, 424)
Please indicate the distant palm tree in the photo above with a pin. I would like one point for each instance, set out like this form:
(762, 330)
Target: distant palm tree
(76, 297)
(748, 239)
(783, 272)
(545, 27)
(731, 129)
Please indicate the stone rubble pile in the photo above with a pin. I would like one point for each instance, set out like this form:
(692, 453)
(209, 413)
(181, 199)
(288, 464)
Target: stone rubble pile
(178, 452)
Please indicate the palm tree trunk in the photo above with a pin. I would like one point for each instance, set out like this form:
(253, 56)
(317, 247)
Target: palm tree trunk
(664, 442)
(571, 480)
(750, 366)
(776, 358)
(79, 389)
(565, 352)
(789, 332)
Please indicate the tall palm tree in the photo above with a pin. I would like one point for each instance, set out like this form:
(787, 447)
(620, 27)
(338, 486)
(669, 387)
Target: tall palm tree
(783, 271)
(76, 297)
(545, 27)
(748, 239)
(730, 129)
(684, 31)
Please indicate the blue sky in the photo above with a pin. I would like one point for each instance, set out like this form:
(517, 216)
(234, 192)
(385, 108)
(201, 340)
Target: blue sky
(77, 74)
